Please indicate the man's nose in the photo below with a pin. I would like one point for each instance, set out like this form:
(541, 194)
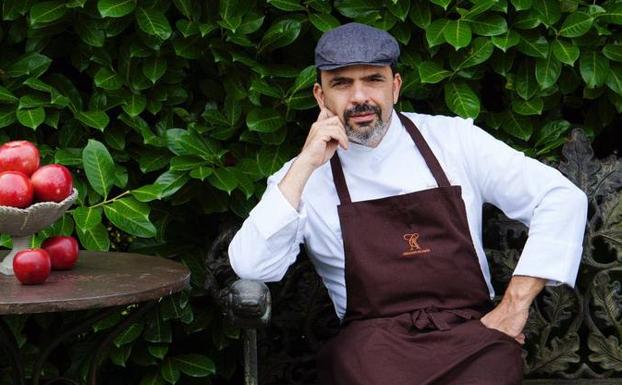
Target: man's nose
(359, 95)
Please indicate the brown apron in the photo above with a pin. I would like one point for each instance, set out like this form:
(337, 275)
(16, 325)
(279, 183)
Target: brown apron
(415, 293)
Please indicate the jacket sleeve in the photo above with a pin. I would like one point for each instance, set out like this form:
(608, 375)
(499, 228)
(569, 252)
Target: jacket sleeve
(553, 208)
(269, 239)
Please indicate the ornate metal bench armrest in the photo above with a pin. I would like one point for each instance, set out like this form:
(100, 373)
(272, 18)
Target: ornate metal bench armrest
(248, 304)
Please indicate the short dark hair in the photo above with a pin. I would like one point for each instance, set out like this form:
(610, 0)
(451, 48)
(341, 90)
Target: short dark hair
(318, 73)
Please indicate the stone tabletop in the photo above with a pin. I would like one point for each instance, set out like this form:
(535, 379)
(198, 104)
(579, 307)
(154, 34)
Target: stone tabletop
(99, 279)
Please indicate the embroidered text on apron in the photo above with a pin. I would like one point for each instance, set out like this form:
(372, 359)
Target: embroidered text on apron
(415, 292)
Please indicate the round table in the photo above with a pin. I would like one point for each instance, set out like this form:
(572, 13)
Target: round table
(99, 280)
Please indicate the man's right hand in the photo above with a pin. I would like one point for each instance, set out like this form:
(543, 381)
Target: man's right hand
(324, 136)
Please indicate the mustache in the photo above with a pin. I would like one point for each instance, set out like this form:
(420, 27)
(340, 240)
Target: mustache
(361, 109)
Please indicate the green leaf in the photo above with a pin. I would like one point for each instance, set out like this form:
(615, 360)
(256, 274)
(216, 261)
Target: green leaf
(129, 334)
(526, 20)
(153, 22)
(287, 5)
(304, 80)
(521, 5)
(135, 105)
(420, 14)
(185, 7)
(594, 69)
(158, 351)
(231, 12)
(149, 193)
(107, 79)
(576, 24)
(201, 172)
(271, 158)
(195, 365)
(115, 8)
(506, 41)
(399, 8)
(478, 53)
(7, 116)
(223, 179)
(32, 64)
(432, 73)
(86, 217)
(68, 156)
(264, 88)
(154, 68)
(548, 71)
(251, 22)
(186, 163)
(518, 126)
(461, 99)
(614, 13)
(323, 21)
(435, 32)
(264, 120)
(614, 80)
(280, 34)
(478, 8)
(6, 96)
(95, 119)
(442, 3)
(565, 52)
(528, 107)
(613, 52)
(534, 45)
(32, 117)
(90, 32)
(549, 12)
(131, 216)
(457, 33)
(47, 12)
(525, 81)
(172, 181)
(489, 25)
(95, 238)
(169, 371)
(98, 167)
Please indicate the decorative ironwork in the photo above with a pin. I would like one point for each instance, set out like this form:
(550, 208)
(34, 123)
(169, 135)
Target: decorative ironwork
(572, 334)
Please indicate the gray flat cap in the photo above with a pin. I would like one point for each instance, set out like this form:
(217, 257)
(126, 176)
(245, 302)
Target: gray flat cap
(355, 43)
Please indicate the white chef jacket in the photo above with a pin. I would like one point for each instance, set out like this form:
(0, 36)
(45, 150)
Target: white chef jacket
(488, 170)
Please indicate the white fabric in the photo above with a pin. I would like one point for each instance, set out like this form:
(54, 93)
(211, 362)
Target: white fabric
(487, 169)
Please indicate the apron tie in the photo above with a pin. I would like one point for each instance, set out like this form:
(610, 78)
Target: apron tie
(435, 319)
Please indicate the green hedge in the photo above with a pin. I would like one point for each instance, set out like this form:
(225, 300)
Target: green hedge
(172, 114)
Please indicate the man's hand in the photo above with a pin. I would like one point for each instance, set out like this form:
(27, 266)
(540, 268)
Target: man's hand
(324, 136)
(510, 316)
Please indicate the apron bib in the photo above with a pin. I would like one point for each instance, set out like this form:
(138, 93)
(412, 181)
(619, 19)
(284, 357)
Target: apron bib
(415, 292)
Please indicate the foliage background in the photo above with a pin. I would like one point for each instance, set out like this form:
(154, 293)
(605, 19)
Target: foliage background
(171, 114)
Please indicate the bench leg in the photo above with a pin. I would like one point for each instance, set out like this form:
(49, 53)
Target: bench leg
(250, 357)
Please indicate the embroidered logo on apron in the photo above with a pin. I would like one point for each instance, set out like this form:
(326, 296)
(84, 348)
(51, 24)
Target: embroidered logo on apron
(413, 245)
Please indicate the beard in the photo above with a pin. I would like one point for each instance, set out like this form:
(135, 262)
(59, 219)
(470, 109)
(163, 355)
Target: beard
(368, 133)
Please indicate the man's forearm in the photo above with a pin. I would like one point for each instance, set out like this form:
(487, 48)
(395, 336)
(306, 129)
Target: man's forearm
(521, 291)
(294, 181)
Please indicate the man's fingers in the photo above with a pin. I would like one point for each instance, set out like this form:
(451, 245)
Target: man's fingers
(325, 113)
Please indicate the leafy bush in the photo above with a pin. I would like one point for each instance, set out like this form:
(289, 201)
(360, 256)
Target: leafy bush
(172, 114)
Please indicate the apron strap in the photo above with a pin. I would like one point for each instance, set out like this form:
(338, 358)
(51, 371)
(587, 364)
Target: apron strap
(340, 180)
(426, 152)
(422, 145)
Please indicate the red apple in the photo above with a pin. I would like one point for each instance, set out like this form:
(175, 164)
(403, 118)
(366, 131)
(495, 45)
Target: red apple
(32, 266)
(63, 252)
(52, 183)
(19, 155)
(15, 189)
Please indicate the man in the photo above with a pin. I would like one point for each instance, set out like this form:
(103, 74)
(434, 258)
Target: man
(389, 208)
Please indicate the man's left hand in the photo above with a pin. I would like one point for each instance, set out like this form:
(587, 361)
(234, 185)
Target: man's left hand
(510, 315)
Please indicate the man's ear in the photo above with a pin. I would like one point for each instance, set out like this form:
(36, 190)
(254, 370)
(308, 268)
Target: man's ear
(397, 85)
(318, 94)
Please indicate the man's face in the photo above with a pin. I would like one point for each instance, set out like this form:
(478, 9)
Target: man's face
(363, 97)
